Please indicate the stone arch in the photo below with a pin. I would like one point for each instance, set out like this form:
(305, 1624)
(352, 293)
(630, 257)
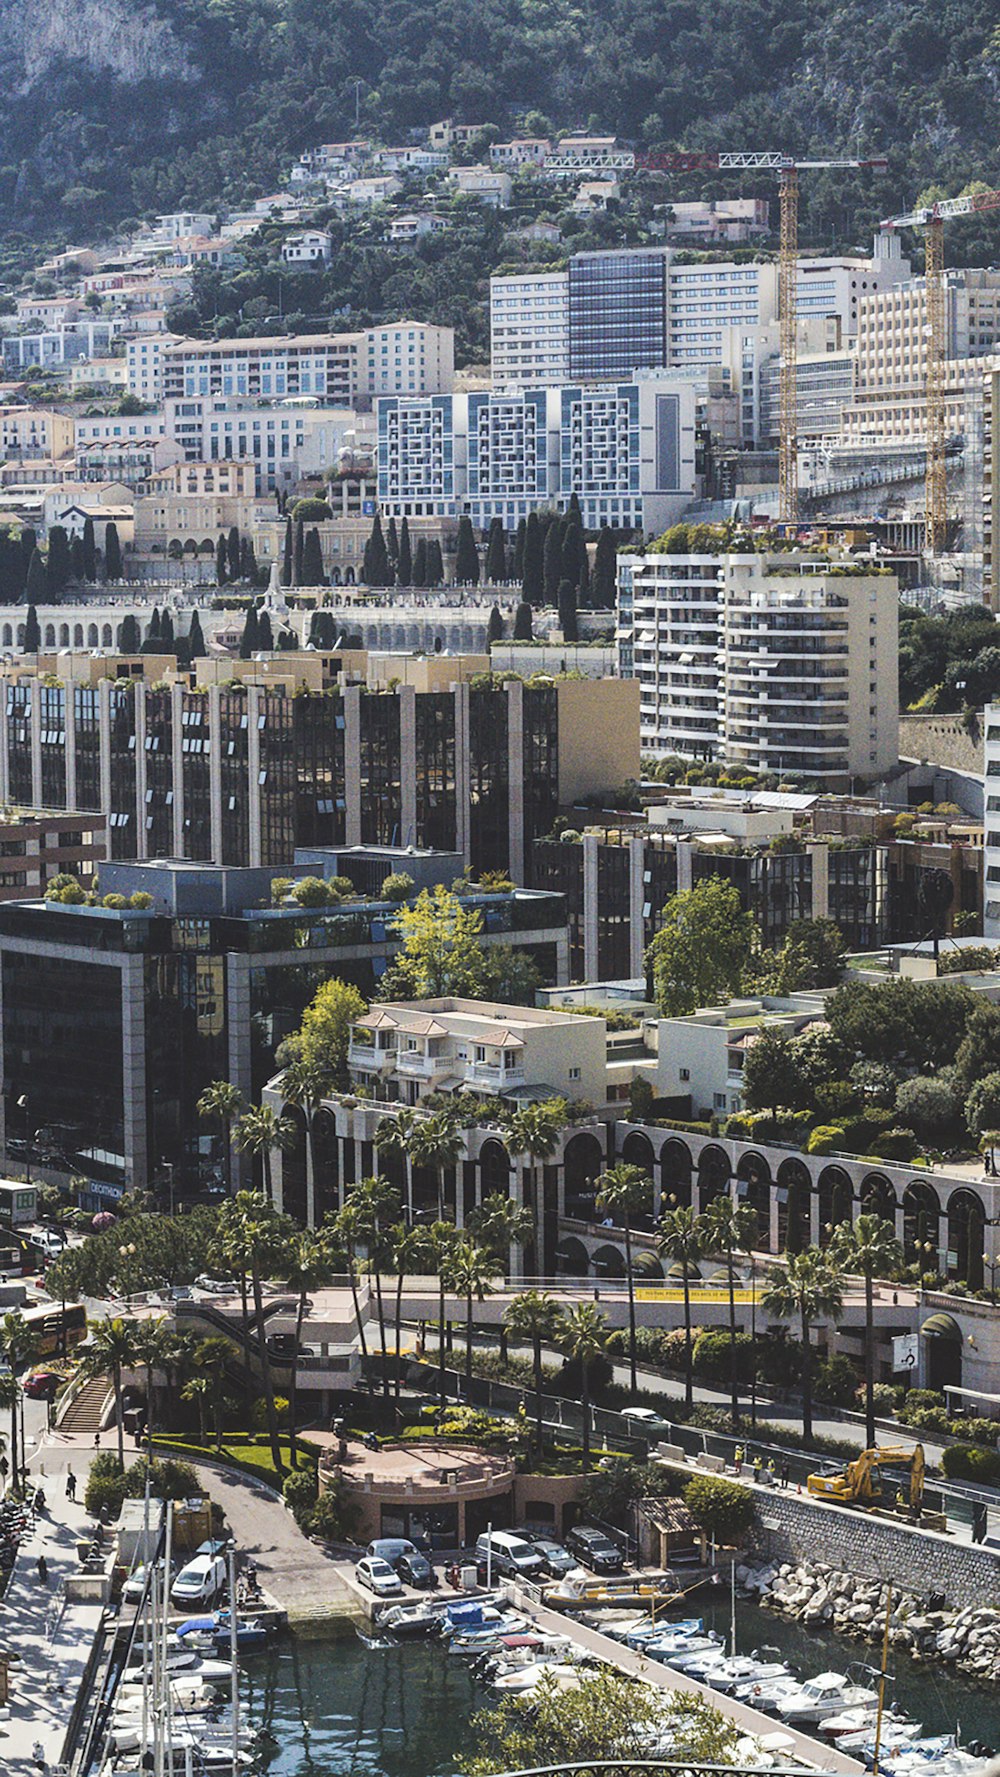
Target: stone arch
(675, 1174)
(206, 547)
(583, 1162)
(107, 638)
(348, 576)
(794, 1197)
(78, 635)
(637, 1150)
(608, 1261)
(836, 1195)
(20, 635)
(572, 1259)
(50, 635)
(294, 1200)
(64, 635)
(753, 1171)
(326, 1161)
(494, 1169)
(190, 546)
(921, 1225)
(92, 635)
(713, 1174)
(8, 636)
(876, 1197)
(647, 1264)
(967, 1238)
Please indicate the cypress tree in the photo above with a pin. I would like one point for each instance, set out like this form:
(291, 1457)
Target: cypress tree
(552, 563)
(523, 631)
(392, 542)
(166, 632)
(265, 634)
(517, 568)
(466, 554)
(32, 631)
(569, 556)
(494, 628)
(233, 552)
(195, 639)
(404, 562)
(603, 583)
(112, 553)
(248, 561)
(89, 550)
(221, 561)
(298, 552)
(496, 554)
(286, 564)
(27, 541)
(76, 557)
(322, 630)
(582, 568)
(376, 562)
(420, 562)
(435, 563)
(153, 632)
(573, 509)
(248, 640)
(11, 569)
(312, 559)
(36, 587)
(532, 573)
(129, 638)
(567, 611)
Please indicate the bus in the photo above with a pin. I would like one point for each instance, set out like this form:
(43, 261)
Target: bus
(57, 1329)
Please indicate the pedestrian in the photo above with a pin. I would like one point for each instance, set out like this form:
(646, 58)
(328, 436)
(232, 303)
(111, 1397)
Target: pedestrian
(784, 1473)
(71, 1485)
(43, 1570)
(97, 1439)
(738, 1457)
(772, 1473)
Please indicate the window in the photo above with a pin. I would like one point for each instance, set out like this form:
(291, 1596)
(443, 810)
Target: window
(574, 1073)
(685, 1073)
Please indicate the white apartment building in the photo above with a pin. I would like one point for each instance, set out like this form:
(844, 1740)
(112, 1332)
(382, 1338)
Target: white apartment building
(312, 247)
(991, 484)
(144, 364)
(36, 432)
(416, 456)
(178, 224)
(890, 399)
(404, 1050)
(408, 357)
(529, 328)
(991, 835)
(121, 429)
(525, 151)
(782, 663)
(271, 437)
(701, 1055)
(488, 185)
(732, 219)
(824, 389)
(403, 357)
(60, 345)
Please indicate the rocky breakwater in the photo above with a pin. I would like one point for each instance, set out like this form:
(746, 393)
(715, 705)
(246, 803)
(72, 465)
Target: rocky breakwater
(820, 1596)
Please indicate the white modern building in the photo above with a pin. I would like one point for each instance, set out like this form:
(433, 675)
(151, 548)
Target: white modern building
(212, 430)
(403, 357)
(144, 364)
(783, 663)
(312, 247)
(529, 328)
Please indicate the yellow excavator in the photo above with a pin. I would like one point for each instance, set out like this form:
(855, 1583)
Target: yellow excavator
(861, 1483)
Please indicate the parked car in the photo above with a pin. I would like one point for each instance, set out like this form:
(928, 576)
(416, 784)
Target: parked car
(558, 1561)
(504, 1553)
(647, 1422)
(135, 1585)
(595, 1549)
(415, 1569)
(41, 1385)
(215, 1286)
(199, 1582)
(378, 1577)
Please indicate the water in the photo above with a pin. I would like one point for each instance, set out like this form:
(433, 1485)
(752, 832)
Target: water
(338, 1707)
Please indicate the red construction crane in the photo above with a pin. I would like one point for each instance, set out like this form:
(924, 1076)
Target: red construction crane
(932, 219)
(788, 169)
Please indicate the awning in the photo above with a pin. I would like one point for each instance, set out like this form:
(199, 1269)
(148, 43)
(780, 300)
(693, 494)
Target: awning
(942, 1326)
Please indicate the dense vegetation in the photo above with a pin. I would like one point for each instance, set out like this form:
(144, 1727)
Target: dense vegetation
(232, 89)
(950, 662)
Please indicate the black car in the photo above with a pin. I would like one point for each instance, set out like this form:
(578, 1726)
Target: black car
(558, 1561)
(415, 1569)
(595, 1549)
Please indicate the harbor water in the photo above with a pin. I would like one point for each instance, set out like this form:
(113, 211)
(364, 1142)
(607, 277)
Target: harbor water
(405, 1711)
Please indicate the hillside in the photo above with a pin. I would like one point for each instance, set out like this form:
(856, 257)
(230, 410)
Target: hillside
(112, 108)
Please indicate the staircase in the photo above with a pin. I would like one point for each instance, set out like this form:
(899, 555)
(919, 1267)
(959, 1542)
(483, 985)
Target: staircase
(83, 1415)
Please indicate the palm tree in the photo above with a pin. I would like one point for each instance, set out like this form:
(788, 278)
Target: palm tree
(10, 1397)
(533, 1133)
(222, 1103)
(260, 1236)
(344, 1231)
(412, 1252)
(395, 1135)
(681, 1239)
(258, 1132)
(501, 1224)
(199, 1390)
(436, 1142)
(536, 1317)
(306, 1083)
(583, 1339)
(809, 1286)
(149, 1338)
(111, 1349)
(730, 1228)
(377, 1202)
(470, 1271)
(626, 1191)
(18, 1344)
(871, 1248)
(443, 1237)
(214, 1356)
(306, 1266)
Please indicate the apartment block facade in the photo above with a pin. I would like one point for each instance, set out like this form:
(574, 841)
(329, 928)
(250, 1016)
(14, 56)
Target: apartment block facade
(335, 369)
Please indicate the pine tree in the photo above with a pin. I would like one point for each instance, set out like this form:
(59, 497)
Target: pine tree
(466, 554)
(603, 587)
(129, 636)
(286, 563)
(567, 611)
(89, 550)
(248, 561)
(265, 634)
(112, 553)
(195, 639)
(392, 543)
(523, 631)
(59, 564)
(435, 563)
(517, 566)
(32, 631)
(76, 557)
(552, 563)
(298, 552)
(496, 554)
(404, 565)
(248, 640)
(420, 562)
(376, 562)
(494, 628)
(166, 632)
(233, 552)
(312, 559)
(532, 574)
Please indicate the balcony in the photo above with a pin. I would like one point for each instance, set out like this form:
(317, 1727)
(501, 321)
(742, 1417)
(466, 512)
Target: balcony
(413, 1064)
(490, 1078)
(366, 1059)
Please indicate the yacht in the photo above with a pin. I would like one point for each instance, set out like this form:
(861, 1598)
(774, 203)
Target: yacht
(822, 1696)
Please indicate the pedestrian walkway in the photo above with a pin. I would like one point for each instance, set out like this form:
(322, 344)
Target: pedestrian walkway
(47, 1639)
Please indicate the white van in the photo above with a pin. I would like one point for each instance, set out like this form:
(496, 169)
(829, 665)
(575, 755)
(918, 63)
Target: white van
(509, 1556)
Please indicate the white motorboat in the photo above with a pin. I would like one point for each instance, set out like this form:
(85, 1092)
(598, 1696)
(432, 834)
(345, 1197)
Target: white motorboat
(681, 1654)
(725, 1673)
(766, 1693)
(528, 1678)
(822, 1696)
(895, 1737)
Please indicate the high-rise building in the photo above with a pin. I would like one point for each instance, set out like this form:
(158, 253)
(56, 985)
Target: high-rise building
(617, 314)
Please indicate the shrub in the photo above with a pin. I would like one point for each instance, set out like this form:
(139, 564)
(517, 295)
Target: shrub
(141, 901)
(397, 887)
(966, 1463)
(825, 1138)
(928, 1107)
(310, 511)
(724, 1509)
(712, 1356)
(334, 1514)
(258, 1412)
(105, 1485)
(896, 1144)
(883, 1394)
(922, 1397)
(311, 891)
(835, 1381)
(116, 901)
(299, 1493)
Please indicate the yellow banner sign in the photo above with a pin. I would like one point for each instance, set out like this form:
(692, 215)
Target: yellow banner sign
(671, 1294)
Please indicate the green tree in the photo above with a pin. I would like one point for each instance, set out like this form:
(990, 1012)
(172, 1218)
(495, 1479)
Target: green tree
(343, 1230)
(466, 554)
(731, 1228)
(820, 944)
(129, 640)
(471, 1270)
(982, 1106)
(313, 571)
(435, 563)
(443, 1237)
(195, 639)
(36, 585)
(306, 1267)
(496, 554)
(724, 1509)
(260, 1132)
(233, 553)
(809, 1286)
(627, 1191)
(412, 1256)
(149, 1341)
(552, 562)
(287, 562)
(604, 585)
(702, 948)
(772, 1078)
(298, 552)
(501, 1224)
(59, 563)
(199, 1392)
(532, 571)
(250, 639)
(110, 1350)
(375, 569)
(420, 563)
(583, 1339)
(523, 626)
(494, 628)
(265, 635)
(978, 1053)
(532, 1133)
(32, 631)
(927, 1106)
(681, 1239)
(377, 1204)
(112, 553)
(89, 551)
(441, 952)
(870, 1248)
(258, 1236)
(404, 563)
(223, 1103)
(566, 600)
(536, 1318)
(908, 1024)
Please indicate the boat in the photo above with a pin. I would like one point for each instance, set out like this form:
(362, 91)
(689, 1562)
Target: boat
(215, 1631)
(895, 1736)
(639, 1634)
(766, 1693)
(538, 1672)
(411, 1619)
(679, 1651)
(822, 1695)
(189, 1663)
(727, 1671)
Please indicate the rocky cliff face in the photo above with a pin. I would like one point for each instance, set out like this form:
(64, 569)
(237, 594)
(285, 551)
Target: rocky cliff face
(126, 41)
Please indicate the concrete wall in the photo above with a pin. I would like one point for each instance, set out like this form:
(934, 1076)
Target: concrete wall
(791, 1527)
(941, 740)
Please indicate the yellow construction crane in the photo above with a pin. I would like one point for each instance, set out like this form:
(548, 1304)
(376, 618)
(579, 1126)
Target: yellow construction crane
(788, 170)
(932, 220)
(860, 1483)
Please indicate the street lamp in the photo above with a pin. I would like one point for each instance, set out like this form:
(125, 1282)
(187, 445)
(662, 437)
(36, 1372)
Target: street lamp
(992, 1260)
(22, 1105)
